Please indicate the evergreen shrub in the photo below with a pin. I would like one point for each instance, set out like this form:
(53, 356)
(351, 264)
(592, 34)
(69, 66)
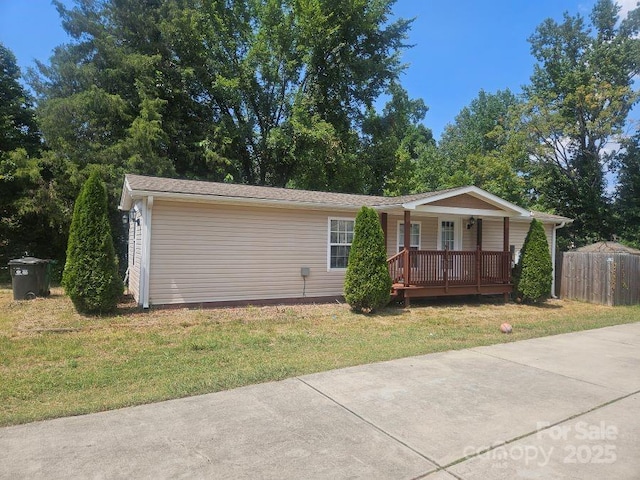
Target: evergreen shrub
(533, 273)
(90, 276)
(367, 284)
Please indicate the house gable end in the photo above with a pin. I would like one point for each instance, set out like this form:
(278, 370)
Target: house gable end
(465, 201)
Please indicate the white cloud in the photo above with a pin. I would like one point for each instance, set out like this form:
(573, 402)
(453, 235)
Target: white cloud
(626, 6)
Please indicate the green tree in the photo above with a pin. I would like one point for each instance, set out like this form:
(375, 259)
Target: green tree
(628, 192)
(18, 127)
(24, 193)
(90, 275)
(367, 284)
(481, 148)
(533, 273)
(393, 141)
(217, 89)
(579, 99)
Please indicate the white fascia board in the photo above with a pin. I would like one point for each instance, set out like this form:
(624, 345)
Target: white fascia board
(471, 190)
(200, 198)
(126, 197)
(476, 212)
(547, 221)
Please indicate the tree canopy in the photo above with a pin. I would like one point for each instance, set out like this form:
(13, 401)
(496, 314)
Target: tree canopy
(259, 92)
(577, 106)
(481, 148)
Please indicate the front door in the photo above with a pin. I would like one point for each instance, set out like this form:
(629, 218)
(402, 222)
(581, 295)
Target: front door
(449, 239)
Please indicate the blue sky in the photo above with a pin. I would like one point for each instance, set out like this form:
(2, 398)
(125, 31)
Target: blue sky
(460, 47)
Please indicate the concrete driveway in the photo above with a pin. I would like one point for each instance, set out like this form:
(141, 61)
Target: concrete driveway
(562, 407)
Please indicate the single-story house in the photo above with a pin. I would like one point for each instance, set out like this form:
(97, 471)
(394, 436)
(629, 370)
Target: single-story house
(196, 242)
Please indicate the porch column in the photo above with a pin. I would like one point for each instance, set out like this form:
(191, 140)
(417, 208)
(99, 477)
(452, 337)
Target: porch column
(383, 224)
(407, 244)
(505, 235)
(479, 234)
(407, 229)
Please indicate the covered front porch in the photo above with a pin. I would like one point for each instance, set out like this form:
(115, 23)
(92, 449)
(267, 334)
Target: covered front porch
(456, 260)
(444, 272)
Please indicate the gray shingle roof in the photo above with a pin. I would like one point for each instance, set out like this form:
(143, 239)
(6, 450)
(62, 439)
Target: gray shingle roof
(197, 187)
(608, 247)
(549, 217)
(141, 183)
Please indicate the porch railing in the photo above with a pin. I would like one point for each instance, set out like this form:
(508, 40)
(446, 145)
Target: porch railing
(450, 267)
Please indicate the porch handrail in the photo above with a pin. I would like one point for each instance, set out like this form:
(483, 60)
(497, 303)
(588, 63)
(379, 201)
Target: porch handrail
(450, 267)
(395, 267)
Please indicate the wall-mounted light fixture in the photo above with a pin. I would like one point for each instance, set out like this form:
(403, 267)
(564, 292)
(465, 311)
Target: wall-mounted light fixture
(471, 223)
(130, 217)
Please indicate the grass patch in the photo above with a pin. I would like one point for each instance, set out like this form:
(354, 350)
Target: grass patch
(55, 362)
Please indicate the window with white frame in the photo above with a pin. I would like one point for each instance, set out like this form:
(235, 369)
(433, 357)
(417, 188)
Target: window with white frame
(340, 239)
(447, 235)
(414, 236)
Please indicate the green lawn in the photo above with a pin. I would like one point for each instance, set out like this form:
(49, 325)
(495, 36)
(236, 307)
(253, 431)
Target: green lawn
(54, 362)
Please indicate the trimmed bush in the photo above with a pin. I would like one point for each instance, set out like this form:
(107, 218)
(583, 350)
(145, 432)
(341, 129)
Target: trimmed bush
(90, 275)
(367, 284)
(533, 274)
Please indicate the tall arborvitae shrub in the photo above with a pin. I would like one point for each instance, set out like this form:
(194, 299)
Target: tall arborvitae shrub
(367, 283)
(90, 275)
(533, 273)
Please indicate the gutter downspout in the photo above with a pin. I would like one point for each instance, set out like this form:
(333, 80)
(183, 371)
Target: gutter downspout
(147, 210)
(553, 259)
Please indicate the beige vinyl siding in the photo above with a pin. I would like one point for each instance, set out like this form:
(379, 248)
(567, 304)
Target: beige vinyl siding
(135, 255)
(464, 201)
(492, 234)
(428, 232)
(209, 253)
(469, 236)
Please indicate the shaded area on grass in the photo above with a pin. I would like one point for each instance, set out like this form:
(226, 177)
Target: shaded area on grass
(54, 362)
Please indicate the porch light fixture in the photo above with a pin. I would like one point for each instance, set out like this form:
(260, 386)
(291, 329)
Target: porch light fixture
(130, 217)
(471, 223)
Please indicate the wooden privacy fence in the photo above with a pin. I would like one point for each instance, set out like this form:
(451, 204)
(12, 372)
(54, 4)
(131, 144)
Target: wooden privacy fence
(607, 278)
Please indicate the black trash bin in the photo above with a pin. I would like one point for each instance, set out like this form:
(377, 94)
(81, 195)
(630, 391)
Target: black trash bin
(30, 277)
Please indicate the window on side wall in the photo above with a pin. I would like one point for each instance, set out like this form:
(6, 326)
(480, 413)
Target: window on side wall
(340, 239)
(415, 236)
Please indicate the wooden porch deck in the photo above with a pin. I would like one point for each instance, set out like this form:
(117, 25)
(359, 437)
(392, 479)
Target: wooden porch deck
(443, 272)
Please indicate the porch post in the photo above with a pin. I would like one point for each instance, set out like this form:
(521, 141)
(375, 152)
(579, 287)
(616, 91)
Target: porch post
(383, 224)
(407, 246)
(479, 234)
(505, 235)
